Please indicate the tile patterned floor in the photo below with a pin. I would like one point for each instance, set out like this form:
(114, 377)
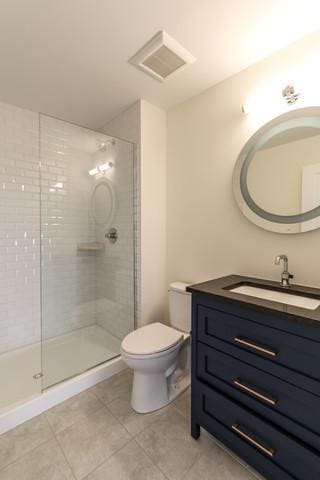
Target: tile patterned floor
(97, 436)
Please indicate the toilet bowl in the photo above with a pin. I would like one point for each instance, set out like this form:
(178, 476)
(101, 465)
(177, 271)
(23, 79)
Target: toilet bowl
(153, 351)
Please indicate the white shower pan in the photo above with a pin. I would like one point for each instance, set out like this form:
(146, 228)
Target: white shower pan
(95, 346)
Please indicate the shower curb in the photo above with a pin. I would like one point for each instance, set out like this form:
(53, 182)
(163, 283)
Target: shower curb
(38, 404)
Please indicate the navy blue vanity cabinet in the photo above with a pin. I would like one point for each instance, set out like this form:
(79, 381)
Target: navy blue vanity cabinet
(256, 385)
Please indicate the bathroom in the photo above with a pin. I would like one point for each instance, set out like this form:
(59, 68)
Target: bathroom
(125, 227)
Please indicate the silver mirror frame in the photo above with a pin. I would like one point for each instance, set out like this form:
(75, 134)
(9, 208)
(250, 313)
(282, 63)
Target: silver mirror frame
(304, 117)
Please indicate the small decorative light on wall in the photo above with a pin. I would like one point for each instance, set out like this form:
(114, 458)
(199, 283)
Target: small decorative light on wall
(290, 95)
(101, 168)
(269, 100)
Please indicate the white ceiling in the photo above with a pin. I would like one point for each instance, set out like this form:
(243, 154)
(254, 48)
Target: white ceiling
(68, 58)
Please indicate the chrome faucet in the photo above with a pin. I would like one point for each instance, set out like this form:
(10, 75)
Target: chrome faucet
(285, 275)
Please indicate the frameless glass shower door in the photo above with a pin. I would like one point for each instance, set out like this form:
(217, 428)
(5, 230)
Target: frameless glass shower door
(87, 247)
(20, 333)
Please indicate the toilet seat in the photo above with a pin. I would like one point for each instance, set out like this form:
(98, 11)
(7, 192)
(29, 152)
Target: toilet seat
(152, 339)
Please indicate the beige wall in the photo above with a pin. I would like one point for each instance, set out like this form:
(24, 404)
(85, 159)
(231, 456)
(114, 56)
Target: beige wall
(207, 234)
(153, 213)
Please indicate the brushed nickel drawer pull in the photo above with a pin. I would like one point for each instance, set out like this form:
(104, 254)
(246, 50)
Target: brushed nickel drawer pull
(268, 351)
(239, 384)
(268, 451)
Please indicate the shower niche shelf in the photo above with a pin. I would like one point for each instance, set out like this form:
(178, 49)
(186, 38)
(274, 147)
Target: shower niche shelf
(90, 247)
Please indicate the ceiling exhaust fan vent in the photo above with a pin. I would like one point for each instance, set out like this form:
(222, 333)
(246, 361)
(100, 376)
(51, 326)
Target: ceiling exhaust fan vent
(162, 56)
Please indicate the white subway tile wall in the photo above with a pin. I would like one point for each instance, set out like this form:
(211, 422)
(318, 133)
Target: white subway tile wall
(81, 288)
(78, 288)
(137, 235)
(68, 275)
(19, 228)
(115, 267)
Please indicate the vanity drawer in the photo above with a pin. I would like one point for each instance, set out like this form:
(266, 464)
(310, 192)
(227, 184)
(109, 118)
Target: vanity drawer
(257, 442)
(277, 346)
(268, 395)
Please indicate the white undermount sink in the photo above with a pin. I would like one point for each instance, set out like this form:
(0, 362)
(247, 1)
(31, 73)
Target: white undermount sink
(276, 296)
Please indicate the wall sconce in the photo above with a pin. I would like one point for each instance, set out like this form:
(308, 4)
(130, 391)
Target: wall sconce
(270, 101)
(290, 95)
(101, 168)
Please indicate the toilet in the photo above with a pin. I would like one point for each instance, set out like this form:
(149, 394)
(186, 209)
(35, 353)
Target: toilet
(159, 355)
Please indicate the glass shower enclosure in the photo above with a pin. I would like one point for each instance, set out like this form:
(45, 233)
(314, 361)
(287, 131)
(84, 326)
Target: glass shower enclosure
(66, 249)
(87, 248)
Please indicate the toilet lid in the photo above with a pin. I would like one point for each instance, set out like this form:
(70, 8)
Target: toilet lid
(149, 339)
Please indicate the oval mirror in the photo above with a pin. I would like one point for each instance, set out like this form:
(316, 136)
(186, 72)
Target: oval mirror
(276, 180)
(103, 202)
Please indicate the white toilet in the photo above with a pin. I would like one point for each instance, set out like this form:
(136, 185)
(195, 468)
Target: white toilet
(153, 352)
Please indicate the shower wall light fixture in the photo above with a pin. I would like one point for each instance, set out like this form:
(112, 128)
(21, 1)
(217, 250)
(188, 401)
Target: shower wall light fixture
(102, 144)
(101, 168)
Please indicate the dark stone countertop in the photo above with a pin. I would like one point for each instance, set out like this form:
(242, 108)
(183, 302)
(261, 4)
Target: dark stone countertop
(220, 288)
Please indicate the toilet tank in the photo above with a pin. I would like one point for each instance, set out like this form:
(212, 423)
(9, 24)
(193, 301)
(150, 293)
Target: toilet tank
(180, 306)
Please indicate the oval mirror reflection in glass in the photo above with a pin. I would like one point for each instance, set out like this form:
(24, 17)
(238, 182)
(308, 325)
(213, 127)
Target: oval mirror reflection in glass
(103, 202)
(276, 180)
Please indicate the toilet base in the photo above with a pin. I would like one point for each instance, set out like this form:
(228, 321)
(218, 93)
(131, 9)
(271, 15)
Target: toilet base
(179, 387)
(151, 392)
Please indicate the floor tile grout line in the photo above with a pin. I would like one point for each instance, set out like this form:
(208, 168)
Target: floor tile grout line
(180, 412)
(237, 459)
(66, 458)
(93, 392)
(27, 453)
(100, 399)
(105, 460)
(32, 449)
(61, 449)
(76, 421)
(132, 438)
(193, 463)
(158, 466)
(134, 435)
(106, 404)
(230, 455)
(151, 459)
(181, 415)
